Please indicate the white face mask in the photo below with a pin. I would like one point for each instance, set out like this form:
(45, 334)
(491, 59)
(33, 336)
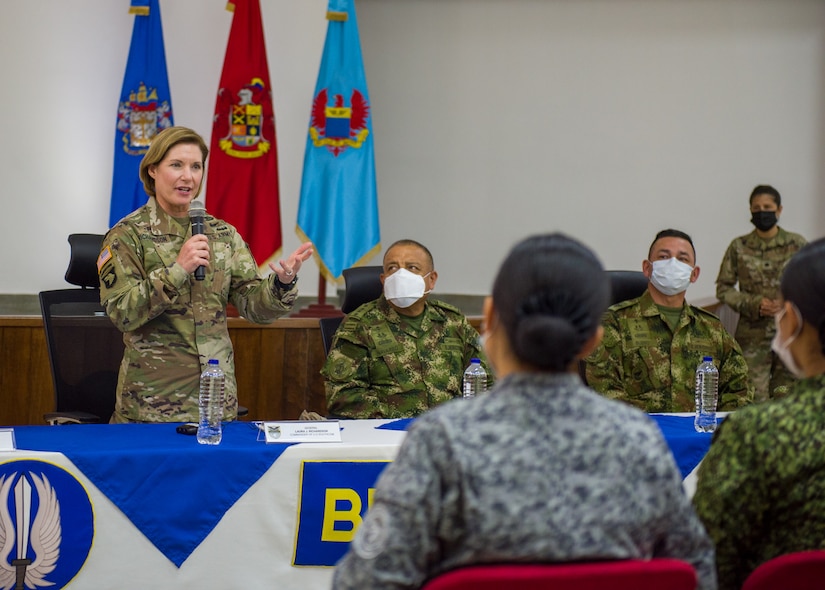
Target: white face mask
(670, 276)
(403, 288)
(783, 349)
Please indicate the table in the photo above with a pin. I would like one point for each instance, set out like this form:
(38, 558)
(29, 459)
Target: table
(169, 513)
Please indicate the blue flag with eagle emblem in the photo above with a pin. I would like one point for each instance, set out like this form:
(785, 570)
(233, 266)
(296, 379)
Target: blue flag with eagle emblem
(144, 109)
(338, 211)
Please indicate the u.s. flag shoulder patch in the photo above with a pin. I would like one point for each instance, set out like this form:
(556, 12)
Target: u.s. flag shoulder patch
(105, 256)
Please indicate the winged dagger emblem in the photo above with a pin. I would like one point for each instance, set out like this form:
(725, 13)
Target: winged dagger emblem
(42, 533)
(337, 126)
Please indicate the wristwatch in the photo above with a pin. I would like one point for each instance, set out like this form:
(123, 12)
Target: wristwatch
(285, 287)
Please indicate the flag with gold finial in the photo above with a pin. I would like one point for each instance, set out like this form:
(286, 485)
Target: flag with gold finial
(242, 183)
(144, 109)
(338, 211)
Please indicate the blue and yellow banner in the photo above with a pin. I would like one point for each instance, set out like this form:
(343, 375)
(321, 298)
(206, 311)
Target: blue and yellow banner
(334, 497)
(338, 211)
(144, 109)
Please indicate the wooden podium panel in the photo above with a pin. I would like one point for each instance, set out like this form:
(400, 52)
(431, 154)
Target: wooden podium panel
(277, 367)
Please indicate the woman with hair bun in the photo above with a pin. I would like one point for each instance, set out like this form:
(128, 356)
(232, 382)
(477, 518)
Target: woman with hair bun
(540, 469)
(761, 487)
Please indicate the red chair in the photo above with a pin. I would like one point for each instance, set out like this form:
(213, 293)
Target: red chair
(656, 574)
(804, 570)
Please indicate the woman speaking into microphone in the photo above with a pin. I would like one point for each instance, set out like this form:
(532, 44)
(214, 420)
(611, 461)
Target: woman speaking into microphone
(173, 324)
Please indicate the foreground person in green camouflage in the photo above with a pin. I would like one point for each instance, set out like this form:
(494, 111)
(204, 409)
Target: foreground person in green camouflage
(761, 487)
(652, 344)
(401, 354)
(172, 323)
(754, 262)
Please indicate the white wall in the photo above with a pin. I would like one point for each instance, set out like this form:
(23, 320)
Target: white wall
(493, 119)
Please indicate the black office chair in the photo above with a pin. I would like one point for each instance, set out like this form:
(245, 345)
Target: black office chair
(329, 326)
(626, 284)
(85, 348)
(361, 285)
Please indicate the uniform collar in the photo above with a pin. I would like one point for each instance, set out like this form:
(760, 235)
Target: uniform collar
(752, 240)
(430, 313)
(163, 224)
(648, 308)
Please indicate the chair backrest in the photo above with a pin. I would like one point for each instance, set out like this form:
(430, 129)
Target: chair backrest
(803, 570)
(82, 270)
(85, 348)
(626, 284)
(615, 575)
(361, 284)
(328, 327)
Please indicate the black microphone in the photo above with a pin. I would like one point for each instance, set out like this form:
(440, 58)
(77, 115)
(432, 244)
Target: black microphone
(196, 215)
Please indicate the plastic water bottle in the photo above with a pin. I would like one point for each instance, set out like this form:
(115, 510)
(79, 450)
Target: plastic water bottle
(210, 404)
(475, 379)
(706, 395)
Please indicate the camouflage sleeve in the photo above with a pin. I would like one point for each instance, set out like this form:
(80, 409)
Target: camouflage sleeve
(346, 374)
(415, 508)
(735, 389)
(131, 296)
(604, 369)
(260, 301)
(746, 304)
(729, 499)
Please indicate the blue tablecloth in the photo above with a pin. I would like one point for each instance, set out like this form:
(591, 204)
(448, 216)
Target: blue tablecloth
(172, 488)
(687, 445)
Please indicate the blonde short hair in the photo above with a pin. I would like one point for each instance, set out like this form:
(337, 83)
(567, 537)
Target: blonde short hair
(160, 146)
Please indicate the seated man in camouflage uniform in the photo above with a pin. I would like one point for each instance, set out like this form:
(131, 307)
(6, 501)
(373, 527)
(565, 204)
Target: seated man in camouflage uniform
(652, 344)
(401, 354)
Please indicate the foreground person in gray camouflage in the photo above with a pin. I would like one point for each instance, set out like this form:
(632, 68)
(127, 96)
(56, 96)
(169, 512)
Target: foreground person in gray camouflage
(540, 470)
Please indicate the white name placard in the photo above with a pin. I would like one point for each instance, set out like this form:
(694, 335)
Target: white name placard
(293, 431)
(7, 439)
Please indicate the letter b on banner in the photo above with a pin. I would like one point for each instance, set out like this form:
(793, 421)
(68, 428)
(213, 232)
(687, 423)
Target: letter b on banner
(335, 496)
(334, 513)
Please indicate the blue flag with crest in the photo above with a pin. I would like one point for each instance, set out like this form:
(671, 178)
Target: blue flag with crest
(144, 109)
(338, 211)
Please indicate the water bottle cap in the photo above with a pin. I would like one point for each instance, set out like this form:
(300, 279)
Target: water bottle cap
(707, 359)
(214, 362)
(475, 361)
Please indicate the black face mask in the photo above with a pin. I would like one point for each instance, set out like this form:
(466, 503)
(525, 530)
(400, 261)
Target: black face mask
(763, 220)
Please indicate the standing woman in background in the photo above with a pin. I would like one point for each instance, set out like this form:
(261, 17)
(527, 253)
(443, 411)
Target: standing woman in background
(755, 262)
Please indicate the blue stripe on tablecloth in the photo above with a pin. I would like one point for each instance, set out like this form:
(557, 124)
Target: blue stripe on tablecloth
(173, 489)
(687, 445)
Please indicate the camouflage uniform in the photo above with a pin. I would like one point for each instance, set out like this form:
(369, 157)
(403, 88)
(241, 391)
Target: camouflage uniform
(640, 361)
(380, 366)
(756, 265)
(173, 324)
(761, 487)
(540, 470)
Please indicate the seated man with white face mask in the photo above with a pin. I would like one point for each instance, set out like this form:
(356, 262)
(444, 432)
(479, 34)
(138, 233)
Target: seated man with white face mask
(402, 354)
(652, 344)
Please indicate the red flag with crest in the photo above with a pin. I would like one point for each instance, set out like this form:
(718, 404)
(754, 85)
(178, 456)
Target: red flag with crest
(242, 183)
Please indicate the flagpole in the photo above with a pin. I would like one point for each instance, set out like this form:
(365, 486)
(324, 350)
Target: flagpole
(322, 289)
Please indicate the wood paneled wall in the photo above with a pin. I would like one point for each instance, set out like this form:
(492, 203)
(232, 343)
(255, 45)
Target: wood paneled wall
(277, 367)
